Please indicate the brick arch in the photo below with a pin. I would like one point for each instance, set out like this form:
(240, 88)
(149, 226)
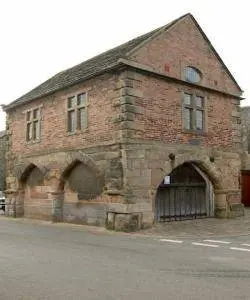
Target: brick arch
(202, 162)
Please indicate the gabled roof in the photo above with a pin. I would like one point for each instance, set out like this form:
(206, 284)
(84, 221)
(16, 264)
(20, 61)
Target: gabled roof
(215, 52)
(85, 70)
(97, 65)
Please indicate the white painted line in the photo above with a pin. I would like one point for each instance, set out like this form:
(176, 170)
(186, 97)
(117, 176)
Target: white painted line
(171, 241)
(205, 245)
(240, 249)
(215, 241)
(247, 245)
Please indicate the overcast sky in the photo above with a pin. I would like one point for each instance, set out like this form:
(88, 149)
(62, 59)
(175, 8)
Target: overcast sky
(40, 38)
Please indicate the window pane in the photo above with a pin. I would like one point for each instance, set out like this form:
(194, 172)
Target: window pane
(36, 130)
(192, 74)
(29, 132)
(187, 118)
(35, 113)
(199, 120)
(199, 102)
(28, 115)
(81, 99)
(81, 118)
(71, 121)
(71, 102)
(187, 99)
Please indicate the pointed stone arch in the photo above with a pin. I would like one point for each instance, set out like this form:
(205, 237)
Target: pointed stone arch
(81, 177)
(201, 161)
(24, 168)
(186, 193)
(74, 158)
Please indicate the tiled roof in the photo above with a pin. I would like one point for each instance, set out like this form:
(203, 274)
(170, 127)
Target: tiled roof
(78, 73)
(97, 65)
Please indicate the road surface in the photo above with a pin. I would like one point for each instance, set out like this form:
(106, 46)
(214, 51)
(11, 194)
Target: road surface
(39, 260)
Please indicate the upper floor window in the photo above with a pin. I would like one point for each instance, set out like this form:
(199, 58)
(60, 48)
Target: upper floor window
(192, 74)
(193, 112)
(33, 125)
(77, 112)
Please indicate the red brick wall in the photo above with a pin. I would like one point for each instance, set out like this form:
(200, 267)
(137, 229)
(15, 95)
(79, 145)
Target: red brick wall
(181, 46)
(162, 115)
(54, 119)
(161, 119)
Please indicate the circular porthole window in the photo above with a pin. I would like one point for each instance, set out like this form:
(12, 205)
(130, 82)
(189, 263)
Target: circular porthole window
(192, 74)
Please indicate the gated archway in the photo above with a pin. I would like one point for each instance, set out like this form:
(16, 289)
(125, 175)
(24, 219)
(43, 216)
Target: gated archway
(186, 193)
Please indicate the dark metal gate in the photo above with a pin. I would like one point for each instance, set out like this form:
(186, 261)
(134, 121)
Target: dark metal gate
(181, 202)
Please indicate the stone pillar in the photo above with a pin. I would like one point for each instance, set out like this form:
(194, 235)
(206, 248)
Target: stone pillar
(220, 205)
(228, 204)
(57, 205)
(10, 203)
(19, 206)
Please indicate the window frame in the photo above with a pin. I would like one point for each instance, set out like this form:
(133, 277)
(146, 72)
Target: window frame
(188, 77)
(193, 107)
(76, 108)
(33, 125)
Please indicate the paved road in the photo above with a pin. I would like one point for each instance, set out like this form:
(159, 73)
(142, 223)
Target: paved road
(39, 260)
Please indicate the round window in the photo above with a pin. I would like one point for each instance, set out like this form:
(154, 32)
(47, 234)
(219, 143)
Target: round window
(192, 74)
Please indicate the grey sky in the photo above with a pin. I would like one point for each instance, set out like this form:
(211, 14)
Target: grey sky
(43, 37)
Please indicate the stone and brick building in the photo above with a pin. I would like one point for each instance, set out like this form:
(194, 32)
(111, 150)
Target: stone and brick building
(3, 145)
(148, 131)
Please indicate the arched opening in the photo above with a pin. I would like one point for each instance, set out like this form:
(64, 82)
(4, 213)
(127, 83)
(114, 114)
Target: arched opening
(186, 193)
(82, 187)
(81, 182)
(35, 194)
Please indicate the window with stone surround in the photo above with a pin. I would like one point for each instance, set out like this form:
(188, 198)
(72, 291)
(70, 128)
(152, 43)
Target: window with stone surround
(77, 113)
(192, 74)
(193, 112)
(33, 125)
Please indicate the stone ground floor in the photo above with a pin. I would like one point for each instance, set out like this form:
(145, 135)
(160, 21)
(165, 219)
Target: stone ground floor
(125, 187)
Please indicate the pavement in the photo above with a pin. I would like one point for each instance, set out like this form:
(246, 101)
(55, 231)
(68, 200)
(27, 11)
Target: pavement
(42, 260)
(208, 227)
